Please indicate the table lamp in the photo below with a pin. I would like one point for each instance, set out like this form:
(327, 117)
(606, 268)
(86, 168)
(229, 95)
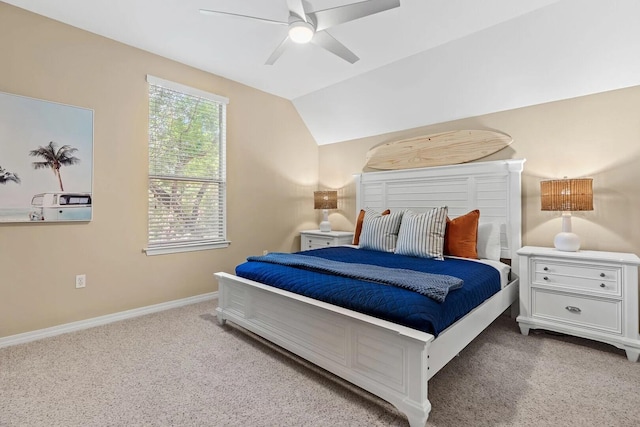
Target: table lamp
(325, 200)
(567, 195)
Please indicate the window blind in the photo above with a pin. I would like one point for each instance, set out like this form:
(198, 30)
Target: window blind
(187, 178)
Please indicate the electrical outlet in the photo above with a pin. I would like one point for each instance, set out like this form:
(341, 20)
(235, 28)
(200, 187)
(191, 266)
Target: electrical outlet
(81, 280)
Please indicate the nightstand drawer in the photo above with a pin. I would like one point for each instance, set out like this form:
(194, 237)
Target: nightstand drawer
(602, 279)
(315, 242)
(601, 314)
(315, 239)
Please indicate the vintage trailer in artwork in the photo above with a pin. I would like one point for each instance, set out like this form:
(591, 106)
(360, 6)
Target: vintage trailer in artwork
(61, 207)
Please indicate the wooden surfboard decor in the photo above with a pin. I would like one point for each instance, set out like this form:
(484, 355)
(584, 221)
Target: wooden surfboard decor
(446, 148)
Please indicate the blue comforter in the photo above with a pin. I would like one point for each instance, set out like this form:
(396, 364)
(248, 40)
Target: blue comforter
(391, 303)
(435, 286)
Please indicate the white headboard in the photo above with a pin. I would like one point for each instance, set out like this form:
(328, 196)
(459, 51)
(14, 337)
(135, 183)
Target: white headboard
(492, 187)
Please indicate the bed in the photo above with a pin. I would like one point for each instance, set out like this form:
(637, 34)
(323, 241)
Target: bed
(388, 359)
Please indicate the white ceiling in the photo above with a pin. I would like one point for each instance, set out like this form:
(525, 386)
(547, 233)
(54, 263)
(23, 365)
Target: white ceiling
(426, 62)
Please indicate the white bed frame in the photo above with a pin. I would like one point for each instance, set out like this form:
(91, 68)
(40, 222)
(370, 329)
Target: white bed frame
(391, 361)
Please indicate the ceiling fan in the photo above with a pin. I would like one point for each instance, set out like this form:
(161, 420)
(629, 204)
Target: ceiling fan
(310, 26)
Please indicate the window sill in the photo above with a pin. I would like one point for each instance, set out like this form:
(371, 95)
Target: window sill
(172, 249)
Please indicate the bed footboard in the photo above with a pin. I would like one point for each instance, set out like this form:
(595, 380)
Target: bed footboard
(388, 360)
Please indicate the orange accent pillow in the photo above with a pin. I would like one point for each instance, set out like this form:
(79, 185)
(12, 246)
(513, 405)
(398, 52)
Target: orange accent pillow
(461, 235)
(356, 233)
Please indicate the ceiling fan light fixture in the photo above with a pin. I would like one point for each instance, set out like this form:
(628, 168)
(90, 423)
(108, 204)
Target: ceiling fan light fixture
(301, 32)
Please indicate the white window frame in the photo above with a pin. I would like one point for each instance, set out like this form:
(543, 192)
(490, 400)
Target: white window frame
(178, 247)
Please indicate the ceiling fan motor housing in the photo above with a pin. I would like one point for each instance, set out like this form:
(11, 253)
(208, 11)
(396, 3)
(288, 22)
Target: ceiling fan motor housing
(301, 31)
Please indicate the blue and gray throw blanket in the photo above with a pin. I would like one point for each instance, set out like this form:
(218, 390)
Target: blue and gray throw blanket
(435, 286)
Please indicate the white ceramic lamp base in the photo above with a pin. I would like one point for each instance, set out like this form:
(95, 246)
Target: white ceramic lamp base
(325, 225)
(566, 240)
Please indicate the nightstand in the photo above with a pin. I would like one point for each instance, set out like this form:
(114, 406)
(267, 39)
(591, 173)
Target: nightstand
(314, 239)
(589, 294)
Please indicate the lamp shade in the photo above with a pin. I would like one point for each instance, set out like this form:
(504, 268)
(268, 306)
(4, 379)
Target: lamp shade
(325, 199)
(567, 195)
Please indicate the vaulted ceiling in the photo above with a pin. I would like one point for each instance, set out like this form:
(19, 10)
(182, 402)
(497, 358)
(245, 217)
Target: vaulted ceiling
(426, 62)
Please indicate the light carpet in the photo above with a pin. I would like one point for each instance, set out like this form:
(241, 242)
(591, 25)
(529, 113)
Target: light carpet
(180, 368)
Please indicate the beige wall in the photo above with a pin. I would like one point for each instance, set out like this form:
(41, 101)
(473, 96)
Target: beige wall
(272, 170)
(594, 136)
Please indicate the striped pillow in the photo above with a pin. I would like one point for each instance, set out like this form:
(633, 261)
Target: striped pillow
(358, 230)
(422, 235)
(380, 232)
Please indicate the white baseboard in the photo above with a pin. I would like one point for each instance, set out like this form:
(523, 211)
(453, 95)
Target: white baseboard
(102, 320)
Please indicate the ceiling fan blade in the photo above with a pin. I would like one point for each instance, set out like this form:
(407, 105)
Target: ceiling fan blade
(349, 12)
(326, 40)
(297, 8)
(217, 12)
(278, 52)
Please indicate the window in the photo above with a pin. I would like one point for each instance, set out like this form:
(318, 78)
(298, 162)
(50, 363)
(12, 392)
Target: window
(187, 188)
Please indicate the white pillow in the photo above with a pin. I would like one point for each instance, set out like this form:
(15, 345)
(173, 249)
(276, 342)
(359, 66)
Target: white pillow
(489, 241)
(422, 235)
(380, 232)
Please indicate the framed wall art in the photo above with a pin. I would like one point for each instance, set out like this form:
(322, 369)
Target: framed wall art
(46, 161)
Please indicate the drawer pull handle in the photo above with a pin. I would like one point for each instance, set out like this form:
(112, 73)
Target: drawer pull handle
(602, 274)
(546, 269)
(573, 309)
(602, 285)
(545, 278)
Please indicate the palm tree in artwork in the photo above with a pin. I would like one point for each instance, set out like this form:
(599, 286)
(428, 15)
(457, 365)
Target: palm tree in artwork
(55, 158)
(6, 176)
